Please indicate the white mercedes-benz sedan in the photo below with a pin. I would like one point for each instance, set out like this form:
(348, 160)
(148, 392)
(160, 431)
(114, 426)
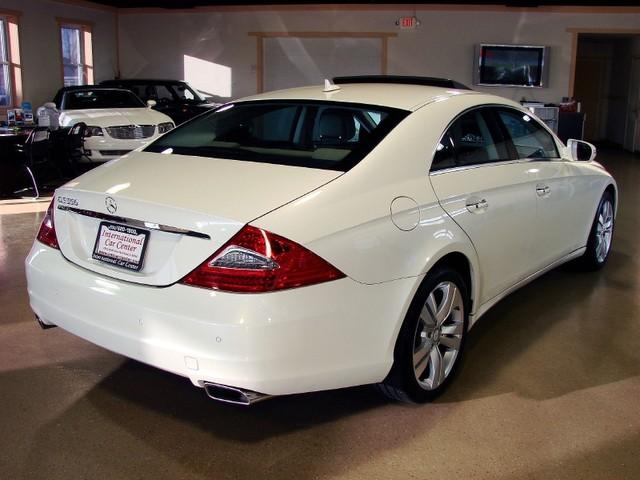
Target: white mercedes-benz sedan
(319, 237)
(116, 120)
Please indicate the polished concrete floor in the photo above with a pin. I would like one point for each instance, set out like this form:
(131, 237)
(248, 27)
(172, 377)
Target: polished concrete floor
(550, 390)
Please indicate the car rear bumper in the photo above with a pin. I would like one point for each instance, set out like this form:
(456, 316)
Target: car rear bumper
(325, 336)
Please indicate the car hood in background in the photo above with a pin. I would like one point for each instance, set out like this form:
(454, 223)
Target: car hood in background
(107, 117)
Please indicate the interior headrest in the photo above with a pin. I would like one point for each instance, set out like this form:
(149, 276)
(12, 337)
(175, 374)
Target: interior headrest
(336, 125)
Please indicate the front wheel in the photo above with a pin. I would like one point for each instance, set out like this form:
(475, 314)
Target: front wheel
(431, 340)
(600, 236)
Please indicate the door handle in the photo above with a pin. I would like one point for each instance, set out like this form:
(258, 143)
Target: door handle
(476, 206)
(543, 190)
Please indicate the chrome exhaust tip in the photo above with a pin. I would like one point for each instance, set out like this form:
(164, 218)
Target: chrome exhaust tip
(43, 325)
(237, 396)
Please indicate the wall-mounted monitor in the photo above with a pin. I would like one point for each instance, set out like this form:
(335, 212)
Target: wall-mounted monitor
(511, 65)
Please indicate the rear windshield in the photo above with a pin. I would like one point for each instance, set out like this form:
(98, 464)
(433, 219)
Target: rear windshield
(88, 99)
(328, 135)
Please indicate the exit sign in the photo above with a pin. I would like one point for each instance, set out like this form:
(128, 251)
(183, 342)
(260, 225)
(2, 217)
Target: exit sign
(407, 23)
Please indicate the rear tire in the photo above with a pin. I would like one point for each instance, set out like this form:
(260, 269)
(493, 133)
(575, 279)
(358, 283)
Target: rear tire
(600, 236)
(431, 340)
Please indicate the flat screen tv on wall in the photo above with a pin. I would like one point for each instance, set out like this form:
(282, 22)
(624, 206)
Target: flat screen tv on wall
(511, 65)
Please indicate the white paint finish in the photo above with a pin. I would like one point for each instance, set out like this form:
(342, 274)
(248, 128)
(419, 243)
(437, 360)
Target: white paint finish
(208, 185)
(113, 117)
(565, 214)
(406, 97)
(509, 191)
(486, 306)
(40, 45)
(269, 344)
(261, 341)
(169, 190)
(405, 213)
(352, 226)
(110, 117)
(442, 46)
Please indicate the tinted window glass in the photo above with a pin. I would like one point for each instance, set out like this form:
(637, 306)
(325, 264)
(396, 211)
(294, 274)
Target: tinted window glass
(87, 99)
(475, 142)
(163, 94)
(311, 134)
(276, 125)
(147, 91)
(472, 139)
(140, 91)
(445, 156)
(187, 93)
(529, 138)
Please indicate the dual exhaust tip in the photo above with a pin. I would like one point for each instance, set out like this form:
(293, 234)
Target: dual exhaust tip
(237, 396)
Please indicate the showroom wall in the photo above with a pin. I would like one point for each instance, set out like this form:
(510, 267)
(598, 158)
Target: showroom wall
(155, 43)
(40, 44)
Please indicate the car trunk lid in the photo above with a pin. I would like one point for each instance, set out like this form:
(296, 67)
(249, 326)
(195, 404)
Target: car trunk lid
(182, 208)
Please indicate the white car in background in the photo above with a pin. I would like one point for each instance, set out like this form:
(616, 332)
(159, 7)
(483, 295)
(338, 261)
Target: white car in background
(116, 120)
(318, 238)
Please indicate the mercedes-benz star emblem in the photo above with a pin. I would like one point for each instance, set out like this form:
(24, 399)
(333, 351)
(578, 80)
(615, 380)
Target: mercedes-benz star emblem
(111, 204)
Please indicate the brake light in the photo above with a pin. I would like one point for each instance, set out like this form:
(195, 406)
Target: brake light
(256, 260)
(47, 232)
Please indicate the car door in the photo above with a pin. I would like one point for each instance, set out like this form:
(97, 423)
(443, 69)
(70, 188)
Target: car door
(558, 191)
(489, 195)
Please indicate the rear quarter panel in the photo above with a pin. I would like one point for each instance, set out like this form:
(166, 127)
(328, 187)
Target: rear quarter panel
(349, 223)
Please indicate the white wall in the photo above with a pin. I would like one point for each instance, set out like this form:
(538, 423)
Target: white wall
(40, 44)
(153, 44)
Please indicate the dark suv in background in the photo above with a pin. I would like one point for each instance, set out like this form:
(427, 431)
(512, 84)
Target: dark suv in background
(174, 98)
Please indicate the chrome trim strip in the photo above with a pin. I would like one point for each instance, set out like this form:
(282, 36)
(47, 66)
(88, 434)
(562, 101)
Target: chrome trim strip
(135, 223)
(480, 165)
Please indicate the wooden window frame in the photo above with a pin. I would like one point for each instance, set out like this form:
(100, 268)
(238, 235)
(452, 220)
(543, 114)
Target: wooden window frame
(86, 47)
(12, 24)
(260, 36)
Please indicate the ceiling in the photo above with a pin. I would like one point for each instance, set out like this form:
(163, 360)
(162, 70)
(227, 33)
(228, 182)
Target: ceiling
(181, 4)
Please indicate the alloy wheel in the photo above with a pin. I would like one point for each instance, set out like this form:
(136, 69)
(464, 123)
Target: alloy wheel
(604, 230)
(438, 335)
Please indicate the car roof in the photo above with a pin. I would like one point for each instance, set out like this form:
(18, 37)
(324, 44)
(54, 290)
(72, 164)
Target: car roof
(139, 80)
(403, 96)
(83, 88)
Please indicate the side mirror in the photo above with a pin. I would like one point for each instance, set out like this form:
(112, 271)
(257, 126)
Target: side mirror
(151, 103)
(581, 151)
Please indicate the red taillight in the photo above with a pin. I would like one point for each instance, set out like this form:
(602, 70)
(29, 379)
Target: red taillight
(255, 260)
(47, 232)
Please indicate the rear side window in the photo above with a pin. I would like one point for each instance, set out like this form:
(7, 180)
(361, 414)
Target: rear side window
(529, 138)
(327, 135)
(472, 139)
